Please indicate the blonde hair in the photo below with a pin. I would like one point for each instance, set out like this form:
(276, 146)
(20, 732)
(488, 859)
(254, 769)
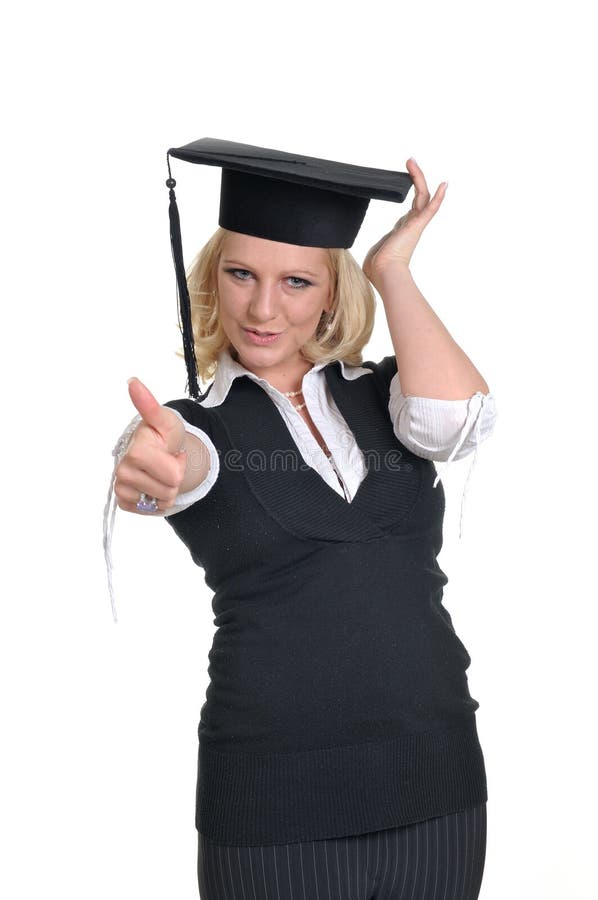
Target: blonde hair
(351, 316)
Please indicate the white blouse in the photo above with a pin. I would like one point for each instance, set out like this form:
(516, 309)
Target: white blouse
(440, 430)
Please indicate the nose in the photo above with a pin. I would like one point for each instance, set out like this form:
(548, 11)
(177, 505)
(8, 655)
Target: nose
(264, 304)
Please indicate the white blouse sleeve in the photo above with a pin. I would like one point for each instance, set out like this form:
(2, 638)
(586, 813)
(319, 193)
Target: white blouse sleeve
(190, 497)
(442, 430)
(182, 501)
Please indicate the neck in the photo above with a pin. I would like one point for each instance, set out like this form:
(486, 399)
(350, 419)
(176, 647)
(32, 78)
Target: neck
(286, 376)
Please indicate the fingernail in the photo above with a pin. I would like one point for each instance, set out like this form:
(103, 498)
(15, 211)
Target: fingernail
(129, 380)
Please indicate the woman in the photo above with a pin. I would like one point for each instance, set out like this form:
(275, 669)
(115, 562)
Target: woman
(338, 752)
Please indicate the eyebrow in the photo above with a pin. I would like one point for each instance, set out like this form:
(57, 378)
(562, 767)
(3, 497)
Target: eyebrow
(244, 266)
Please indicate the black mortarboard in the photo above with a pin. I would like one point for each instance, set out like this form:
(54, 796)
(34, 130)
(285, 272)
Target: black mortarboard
(282, 197)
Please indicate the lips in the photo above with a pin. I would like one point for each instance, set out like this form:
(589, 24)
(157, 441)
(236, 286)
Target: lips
(262, 333)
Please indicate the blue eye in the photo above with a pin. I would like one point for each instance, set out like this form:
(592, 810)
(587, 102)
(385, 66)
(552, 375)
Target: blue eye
(303, 282)
(234, 272)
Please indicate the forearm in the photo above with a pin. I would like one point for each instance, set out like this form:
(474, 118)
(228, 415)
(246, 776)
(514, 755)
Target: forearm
(198, 463)
(431, 363)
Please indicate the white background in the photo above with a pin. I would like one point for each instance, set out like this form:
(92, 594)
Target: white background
(99, 720)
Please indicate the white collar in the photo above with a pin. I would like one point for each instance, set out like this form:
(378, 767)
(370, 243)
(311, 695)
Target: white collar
(228, 369)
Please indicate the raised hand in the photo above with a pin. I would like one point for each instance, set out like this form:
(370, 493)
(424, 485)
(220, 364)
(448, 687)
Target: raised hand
(155, 460)
(396, 248)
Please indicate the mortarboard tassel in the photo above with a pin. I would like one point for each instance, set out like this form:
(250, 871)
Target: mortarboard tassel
(182, 289)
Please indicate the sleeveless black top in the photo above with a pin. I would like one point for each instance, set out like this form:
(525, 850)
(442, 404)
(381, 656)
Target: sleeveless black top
(338, 700)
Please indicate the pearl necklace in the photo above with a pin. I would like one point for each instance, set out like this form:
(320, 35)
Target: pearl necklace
(328, 455)
(295, 394)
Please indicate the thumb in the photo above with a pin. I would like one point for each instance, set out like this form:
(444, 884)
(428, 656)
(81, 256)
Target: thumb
(161, 419)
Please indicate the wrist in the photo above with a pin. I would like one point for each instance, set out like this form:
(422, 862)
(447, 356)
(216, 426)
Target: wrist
(391, 277)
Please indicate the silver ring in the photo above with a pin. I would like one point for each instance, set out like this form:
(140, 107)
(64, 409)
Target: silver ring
(147, 504)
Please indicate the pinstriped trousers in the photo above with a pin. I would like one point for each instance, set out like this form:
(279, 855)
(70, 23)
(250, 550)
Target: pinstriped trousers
(438, 859)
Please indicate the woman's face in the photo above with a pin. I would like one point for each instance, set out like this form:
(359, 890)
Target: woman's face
(271, 287)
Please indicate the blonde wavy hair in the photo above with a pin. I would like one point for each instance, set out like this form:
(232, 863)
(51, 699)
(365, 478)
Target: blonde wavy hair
(351, 317)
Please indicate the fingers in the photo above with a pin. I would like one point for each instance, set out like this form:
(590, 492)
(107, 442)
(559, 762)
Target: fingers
(422, 202)
(131, 482)
(128, 497)
(439, 195)
(148, 407)
(129, 477)
(143, 400)
(150, 470)
(422, 194)
(164, 424)
(151, 464)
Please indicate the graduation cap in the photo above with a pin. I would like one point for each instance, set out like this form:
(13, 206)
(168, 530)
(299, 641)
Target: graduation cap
(282, 197)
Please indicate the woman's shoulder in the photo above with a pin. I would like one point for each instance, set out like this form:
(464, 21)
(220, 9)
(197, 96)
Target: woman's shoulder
(384, 370)
(193, 410)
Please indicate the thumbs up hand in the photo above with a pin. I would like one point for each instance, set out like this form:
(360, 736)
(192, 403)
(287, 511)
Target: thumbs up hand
(155, 461)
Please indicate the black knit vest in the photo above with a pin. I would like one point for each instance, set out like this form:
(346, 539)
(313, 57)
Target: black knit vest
(338, 700)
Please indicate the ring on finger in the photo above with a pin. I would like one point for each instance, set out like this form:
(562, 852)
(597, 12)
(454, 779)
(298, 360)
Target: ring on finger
(146, 504)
